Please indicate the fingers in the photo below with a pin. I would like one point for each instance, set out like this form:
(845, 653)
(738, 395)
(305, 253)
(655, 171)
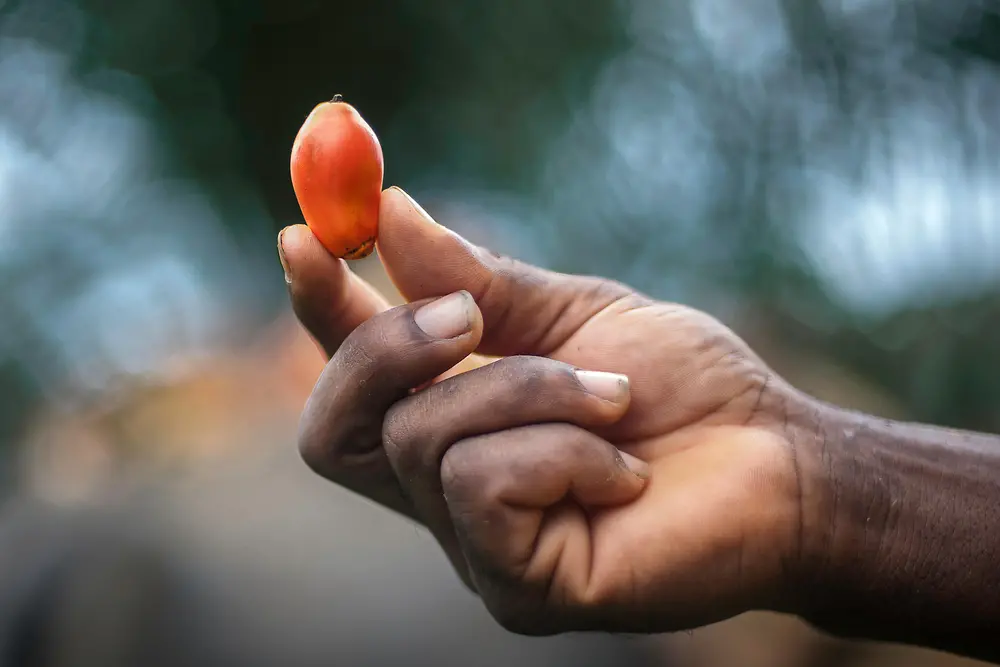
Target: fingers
(375, 366)
(327, 297)
(521, 503)
(526, 310)
(512, 392)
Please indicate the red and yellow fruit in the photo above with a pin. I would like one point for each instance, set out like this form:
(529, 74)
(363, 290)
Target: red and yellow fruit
(337, 172)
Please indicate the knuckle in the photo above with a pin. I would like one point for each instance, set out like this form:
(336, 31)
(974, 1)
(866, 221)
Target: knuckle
(605, 289)
(569, 443)
(538, 377)
(337, 437)
(358, 355)
(469, 478)
(409, 447)
(534, 380)
(397, 434)
(457, 470)
(375, 344)
(451, 473)
(581, 444)
(602, 292)
(474, 478)
(317, 452)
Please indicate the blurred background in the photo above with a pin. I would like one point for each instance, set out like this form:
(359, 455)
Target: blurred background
(822, 175)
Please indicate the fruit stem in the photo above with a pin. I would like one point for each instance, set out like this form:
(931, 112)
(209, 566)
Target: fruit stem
(337, 98)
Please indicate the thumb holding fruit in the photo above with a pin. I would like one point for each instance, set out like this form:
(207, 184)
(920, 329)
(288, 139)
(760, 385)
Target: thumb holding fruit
(626, 465)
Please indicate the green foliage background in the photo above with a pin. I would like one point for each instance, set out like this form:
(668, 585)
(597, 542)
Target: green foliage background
(686, 148)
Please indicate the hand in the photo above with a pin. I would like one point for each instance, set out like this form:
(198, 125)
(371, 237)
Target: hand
(624, 465)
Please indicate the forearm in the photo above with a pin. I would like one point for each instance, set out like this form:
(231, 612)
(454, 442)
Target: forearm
(903, 534)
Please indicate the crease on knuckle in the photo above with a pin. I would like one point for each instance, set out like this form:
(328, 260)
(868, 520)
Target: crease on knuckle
(542, 380)
(396, 436)
(469, 474)
(411, 452)
(456, 474)
(356, 355)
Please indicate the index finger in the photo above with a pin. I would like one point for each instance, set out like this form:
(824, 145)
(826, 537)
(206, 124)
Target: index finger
(329, 299)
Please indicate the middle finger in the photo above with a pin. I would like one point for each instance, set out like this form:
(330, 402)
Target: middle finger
(509, 393)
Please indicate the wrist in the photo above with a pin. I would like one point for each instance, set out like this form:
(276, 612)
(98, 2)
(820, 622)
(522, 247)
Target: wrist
(899, 532)
(804, 423)
(843, 510)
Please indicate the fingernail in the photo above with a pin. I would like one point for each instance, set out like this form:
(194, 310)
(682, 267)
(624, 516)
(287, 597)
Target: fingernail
(638, 467)
(609, 386)
(281, 258)
(448, 317)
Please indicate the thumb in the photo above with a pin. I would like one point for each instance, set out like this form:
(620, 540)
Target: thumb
(526, 309)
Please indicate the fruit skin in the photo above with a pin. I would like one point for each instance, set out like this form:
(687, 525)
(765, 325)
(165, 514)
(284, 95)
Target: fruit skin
(337, 172)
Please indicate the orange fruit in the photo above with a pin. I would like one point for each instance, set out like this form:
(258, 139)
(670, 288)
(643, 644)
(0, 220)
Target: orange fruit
(337, 172)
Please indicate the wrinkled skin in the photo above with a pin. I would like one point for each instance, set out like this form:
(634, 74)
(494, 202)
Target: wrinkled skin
(518, 470)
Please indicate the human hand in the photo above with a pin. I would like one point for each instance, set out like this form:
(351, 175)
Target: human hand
(659, 489)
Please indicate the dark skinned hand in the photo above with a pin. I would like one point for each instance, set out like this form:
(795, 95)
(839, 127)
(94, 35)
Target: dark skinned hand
(615, 463)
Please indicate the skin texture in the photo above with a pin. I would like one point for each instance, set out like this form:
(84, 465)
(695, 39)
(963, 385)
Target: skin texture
(336, 171)
(912, 541)
(712, 528)
(700, 487)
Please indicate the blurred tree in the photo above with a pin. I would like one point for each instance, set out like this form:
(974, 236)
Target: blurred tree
(777, 155)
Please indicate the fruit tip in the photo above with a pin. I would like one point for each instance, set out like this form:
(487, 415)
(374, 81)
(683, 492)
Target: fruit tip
(337, 98)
